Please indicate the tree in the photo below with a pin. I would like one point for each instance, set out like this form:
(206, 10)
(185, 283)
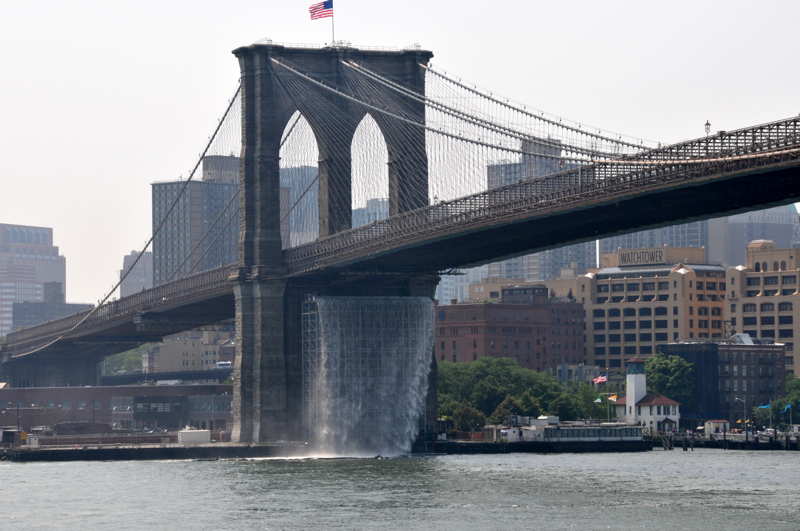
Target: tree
(552, 293)
(569, 295)
(530, 406)
(565, 407)
(488, 394)
(509, 406)
(466, 417)
(672, 377)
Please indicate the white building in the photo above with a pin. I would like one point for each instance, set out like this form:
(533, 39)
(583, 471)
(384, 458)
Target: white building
(651, 410)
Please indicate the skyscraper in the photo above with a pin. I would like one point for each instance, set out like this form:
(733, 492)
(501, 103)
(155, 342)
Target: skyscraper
(182, 247)
(28, 259)
(141, 277)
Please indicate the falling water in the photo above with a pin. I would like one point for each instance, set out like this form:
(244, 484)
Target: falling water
(365, 372)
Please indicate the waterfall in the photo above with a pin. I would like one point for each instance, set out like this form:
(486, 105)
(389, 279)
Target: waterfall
(365, 372)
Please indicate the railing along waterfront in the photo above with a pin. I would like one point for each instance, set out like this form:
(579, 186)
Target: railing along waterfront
(211, 281)
(726, 152)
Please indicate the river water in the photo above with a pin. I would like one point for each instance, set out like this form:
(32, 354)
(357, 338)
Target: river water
(704, 489)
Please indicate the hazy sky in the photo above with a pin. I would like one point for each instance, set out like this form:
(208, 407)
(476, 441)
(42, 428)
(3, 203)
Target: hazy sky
(99, 99)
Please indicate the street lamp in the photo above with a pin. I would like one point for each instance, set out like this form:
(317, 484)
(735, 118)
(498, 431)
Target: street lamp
(708, 128)
(744, 422)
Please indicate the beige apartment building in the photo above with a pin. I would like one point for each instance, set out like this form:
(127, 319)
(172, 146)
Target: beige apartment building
(192, 351)
(763, 295)
(643, 298)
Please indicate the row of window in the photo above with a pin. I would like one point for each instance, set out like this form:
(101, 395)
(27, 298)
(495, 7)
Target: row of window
(51, 404)
(631, 325)
(772, 281)
(762, 266)
(628, 350)
(627, 338)
(765, 307)
(766, 320)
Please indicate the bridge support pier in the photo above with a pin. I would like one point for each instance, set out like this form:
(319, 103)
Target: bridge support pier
(260, 386)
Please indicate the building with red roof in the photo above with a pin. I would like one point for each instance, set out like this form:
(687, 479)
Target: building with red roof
(652, 410)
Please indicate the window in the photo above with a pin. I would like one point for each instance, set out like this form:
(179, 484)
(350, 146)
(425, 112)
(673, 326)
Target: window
(767, 307)
(599, 325)
(646, 349)
(630, 312)
(754, 281)
(599, 313)
(662, 336)
(767, 320)
(751, 293)
(633, 286)
(711, 286)
(66, 404)
(663, 285)
(599, 338)
(786, 333)
(662, 310)
(645, 324)
(613, 325)
(648, 286)
(491, 345)
(615, 363)
(674, 310)
(442, 345)
(630, 351)
(699, 285)
(789, 279)
(716, 311)
(661, 323)
(645, 312)
(629, 338)
(770, 281)
(613, 338)
(505, 344)
(602, 288)
(475, 343)
(454, 359)
(599, 351)
(775, 265)
(454, 345)
(701, 311)
(617, 287)
(674, 323)
(614, 351)
(786, 319)
(748, 308)
(614, 312)
(630, 325)
(645, 337)
(785, 307)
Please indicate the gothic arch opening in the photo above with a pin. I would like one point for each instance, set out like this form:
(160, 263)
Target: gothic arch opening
(299, 156)
(370, 173)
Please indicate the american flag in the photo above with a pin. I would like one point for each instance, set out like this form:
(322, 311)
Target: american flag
(601, 379)
(321, 10)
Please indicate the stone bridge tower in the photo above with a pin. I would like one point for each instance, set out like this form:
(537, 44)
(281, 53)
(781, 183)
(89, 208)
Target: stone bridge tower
(267, 382)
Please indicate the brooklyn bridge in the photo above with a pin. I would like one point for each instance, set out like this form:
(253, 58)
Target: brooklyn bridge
(470, 178)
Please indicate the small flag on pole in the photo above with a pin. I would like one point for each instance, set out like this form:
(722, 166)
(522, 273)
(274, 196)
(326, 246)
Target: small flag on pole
(601, 379)
(764, 407)
(739, 421)
(321, 10)
(786, 408)
(613, 398)
(598, 399)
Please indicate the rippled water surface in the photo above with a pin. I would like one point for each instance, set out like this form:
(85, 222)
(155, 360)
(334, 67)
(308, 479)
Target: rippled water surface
(704, 489)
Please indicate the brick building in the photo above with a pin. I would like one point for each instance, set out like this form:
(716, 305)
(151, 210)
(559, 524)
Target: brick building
(732, 377)
(536, 332)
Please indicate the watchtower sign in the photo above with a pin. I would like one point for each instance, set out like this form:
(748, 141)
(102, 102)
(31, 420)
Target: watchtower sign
(641, 257)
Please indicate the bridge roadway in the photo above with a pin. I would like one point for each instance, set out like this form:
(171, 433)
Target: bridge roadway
(724, 174)
(220, 375)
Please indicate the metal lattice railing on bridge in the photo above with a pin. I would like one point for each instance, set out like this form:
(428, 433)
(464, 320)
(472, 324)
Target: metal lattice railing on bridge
(741, 150)
(208, 282)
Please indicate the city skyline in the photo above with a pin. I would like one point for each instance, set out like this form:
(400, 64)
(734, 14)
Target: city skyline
(156, 92)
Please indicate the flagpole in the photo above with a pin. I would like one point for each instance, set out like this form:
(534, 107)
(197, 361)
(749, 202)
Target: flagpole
(333, 31)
